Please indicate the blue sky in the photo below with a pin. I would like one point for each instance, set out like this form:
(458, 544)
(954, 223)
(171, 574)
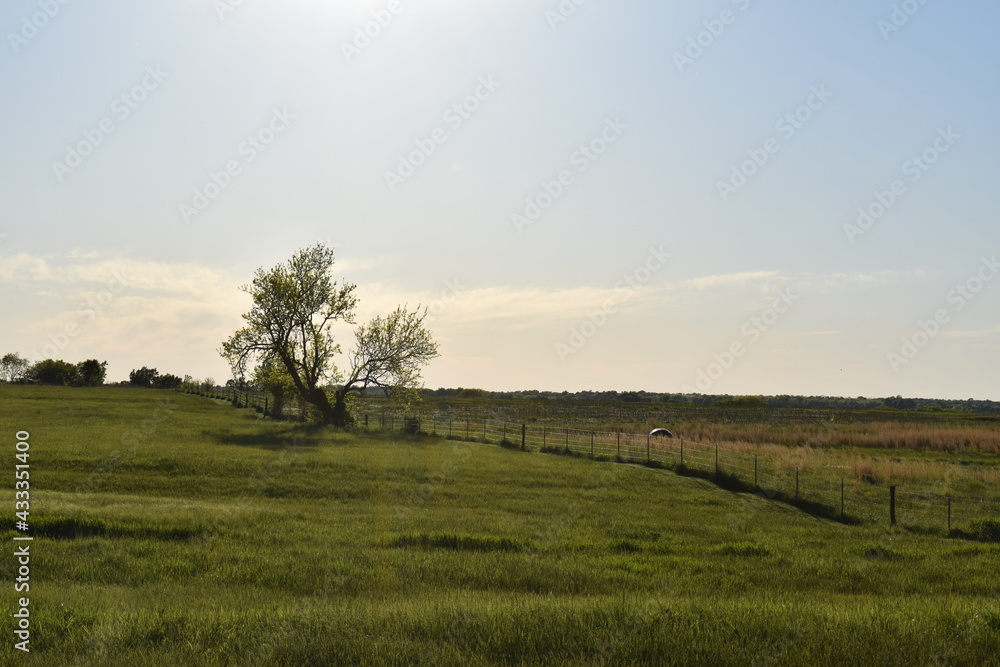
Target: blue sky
(695, 201)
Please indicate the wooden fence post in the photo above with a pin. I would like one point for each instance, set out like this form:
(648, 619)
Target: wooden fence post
(524, 437)
(892, 505)
(543, 436)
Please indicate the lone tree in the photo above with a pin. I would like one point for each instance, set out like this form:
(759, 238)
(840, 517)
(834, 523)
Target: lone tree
(295, 306)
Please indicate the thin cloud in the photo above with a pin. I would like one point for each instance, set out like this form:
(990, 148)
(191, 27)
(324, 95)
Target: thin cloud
(726, 280)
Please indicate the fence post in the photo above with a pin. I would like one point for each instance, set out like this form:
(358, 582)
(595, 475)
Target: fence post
(485, 439)
(265, 404)
(892, 505)
(434, 426)
(796, 482)
(524, 437)
(755, 471)
(366, 420)
(949, 515)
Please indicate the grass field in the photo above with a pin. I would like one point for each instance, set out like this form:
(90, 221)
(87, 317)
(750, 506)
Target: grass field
(171, 529)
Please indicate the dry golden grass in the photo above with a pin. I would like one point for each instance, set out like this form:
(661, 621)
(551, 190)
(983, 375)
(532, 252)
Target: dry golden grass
(882, 435)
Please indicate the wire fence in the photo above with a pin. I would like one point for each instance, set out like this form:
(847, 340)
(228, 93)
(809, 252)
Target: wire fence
(846, 498)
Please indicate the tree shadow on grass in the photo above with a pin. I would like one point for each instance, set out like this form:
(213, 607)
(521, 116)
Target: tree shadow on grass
(292, 437)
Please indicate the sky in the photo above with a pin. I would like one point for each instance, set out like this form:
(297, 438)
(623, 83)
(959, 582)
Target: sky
(725, 197)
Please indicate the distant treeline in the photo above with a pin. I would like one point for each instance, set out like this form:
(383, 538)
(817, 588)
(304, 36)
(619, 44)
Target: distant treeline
(726, 400)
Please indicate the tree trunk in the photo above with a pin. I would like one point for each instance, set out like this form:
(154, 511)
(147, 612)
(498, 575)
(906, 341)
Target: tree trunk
(319, 399)
(340, 416)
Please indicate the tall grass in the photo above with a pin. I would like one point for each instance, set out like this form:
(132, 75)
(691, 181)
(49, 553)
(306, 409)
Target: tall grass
(954, 438)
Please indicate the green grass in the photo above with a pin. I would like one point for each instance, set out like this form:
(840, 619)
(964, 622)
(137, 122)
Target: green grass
(188, 532)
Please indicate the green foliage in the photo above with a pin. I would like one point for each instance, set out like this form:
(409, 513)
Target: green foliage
(295, 306)
(143, 377)
(150, 378)
(91, 373)
(13, 367)
(54, 372)
(167, 381)
(272, 376)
